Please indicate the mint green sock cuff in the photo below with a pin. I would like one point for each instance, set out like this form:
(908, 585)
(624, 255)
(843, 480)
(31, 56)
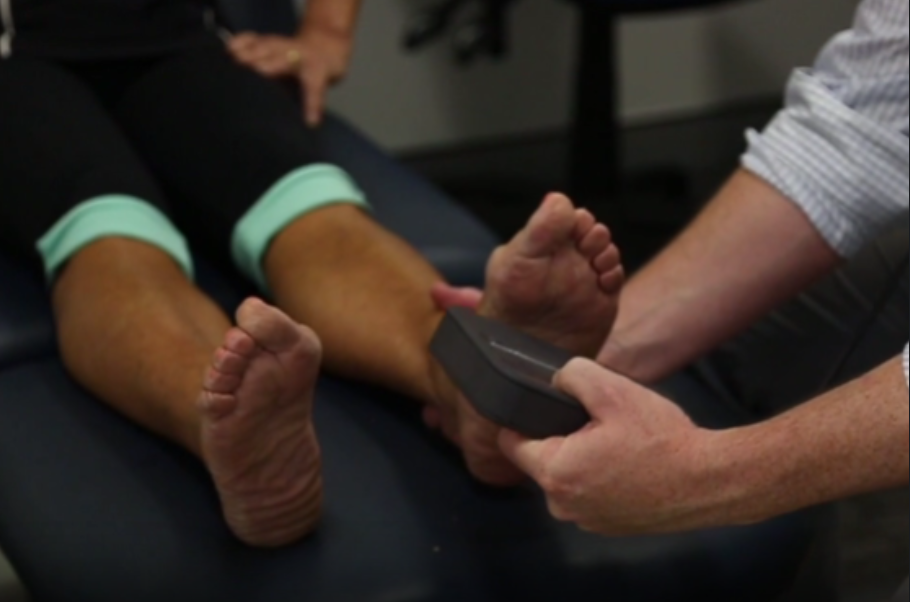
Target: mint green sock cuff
(300, 192)
(111, 216)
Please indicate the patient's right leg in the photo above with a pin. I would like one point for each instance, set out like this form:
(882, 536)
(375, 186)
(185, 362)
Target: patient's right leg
(135, 331)
(132, 327)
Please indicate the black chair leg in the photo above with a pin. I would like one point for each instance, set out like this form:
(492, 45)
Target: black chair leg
(596, 173)
(595, 159)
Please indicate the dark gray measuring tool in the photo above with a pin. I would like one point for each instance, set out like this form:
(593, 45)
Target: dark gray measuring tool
(507, 375)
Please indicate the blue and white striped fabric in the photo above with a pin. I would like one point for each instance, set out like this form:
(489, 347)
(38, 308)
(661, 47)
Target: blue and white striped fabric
(840, 149)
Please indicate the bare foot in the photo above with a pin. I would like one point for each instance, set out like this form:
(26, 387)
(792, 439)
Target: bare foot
(257, 432)
(559, 278)
(477, 437)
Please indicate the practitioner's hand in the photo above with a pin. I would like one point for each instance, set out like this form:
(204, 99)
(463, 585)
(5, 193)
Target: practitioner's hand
(317, 58)
(640, 467)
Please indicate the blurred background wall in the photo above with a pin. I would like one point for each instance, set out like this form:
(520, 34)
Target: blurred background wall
(673, 65)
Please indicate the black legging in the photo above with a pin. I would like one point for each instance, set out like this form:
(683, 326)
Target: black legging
(192, 133)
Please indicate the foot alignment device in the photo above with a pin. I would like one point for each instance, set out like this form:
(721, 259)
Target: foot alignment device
(302, 191)
(508, 375)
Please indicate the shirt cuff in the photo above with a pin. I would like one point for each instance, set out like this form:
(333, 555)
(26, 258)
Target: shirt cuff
(907, 364)
(845, 171)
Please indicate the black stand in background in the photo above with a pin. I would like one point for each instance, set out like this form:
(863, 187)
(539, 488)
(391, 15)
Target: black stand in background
(650, 204)
(595, 164)
(480, 28)
(656, 196)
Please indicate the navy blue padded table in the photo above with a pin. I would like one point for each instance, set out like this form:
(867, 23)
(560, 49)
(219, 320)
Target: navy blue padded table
(93, 508)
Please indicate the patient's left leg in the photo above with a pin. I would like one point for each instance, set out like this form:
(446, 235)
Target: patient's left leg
(367, 294)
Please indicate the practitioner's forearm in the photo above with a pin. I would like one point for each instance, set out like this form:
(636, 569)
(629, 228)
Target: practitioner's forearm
(749, 251)
(851, 441)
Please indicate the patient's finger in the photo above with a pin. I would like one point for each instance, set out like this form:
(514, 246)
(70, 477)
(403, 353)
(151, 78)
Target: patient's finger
(245, 55)
(272, 66)
(241, 42)
(262, 51)
(315, 84)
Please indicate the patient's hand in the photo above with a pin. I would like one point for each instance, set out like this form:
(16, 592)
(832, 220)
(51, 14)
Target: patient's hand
(317, 58)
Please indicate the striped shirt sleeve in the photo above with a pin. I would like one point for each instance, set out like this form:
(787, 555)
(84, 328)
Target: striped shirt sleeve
(840, 148)
(907, 364)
